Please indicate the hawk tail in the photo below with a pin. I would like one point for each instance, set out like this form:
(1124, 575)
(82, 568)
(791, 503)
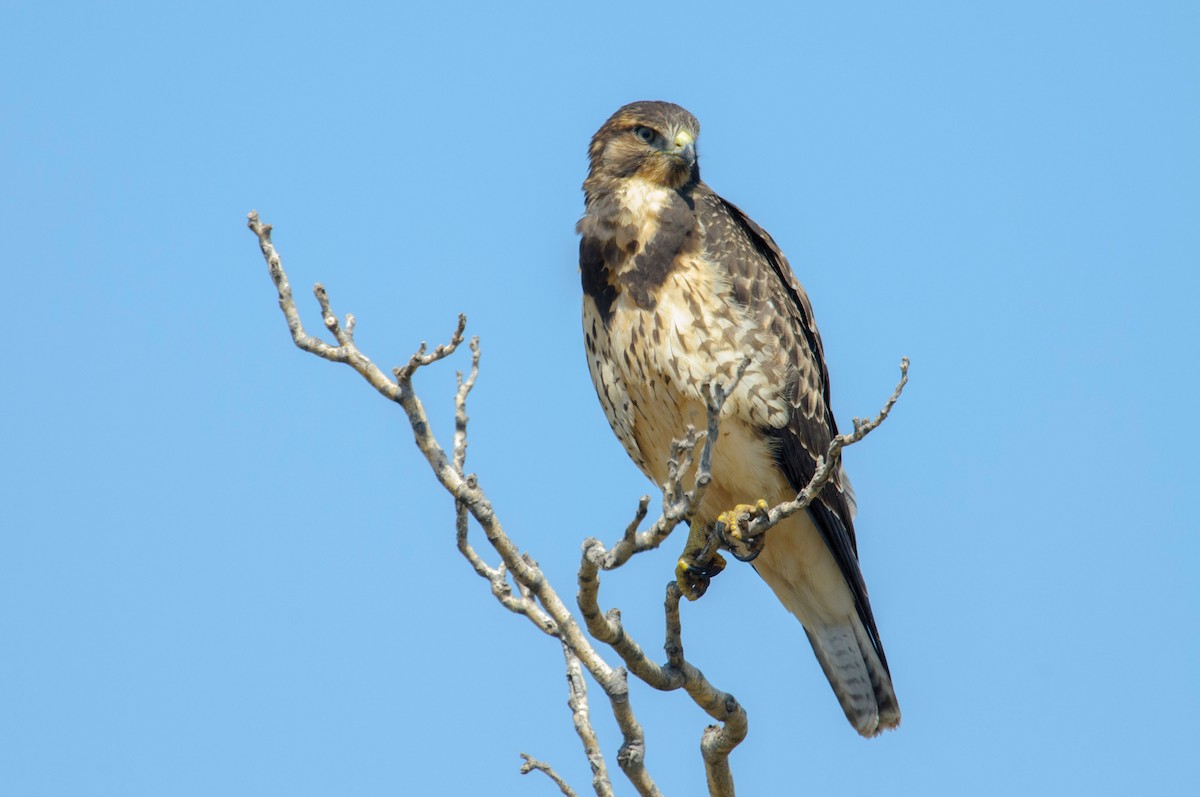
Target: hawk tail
(859, 679)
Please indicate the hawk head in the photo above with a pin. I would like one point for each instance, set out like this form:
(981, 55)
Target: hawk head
(655, 141)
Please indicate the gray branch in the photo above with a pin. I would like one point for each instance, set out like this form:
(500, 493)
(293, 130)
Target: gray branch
(680, 504)
(536, 599)
(532, 764)
(689, 475)
(828, 464)
(577, 701)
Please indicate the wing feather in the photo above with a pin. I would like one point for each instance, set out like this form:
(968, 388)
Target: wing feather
(763, 282)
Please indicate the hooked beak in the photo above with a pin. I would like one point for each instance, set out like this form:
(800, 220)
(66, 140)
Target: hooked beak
(685, 147)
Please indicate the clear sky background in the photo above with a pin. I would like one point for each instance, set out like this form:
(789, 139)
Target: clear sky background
(224, 568)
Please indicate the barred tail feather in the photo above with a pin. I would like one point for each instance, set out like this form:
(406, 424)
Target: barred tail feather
(799, 567)
(859, 679)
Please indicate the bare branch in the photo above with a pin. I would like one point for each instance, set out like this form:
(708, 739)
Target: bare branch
(630, 537)
(346, 351)
(827, 465)
(606, 626)
(420, 359)
(715, 395)
(535, 599)
(460, 407)
(532, 763)
(679, 504)
(577, 700)
(525, 572)
(631, 757)
(497, 577)
(718, 741)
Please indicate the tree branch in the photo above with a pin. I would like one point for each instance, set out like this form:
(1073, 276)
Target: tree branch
(535, 598)
(532, 763)
(828, 464)
(577, 701)
(346, 351)
(718, 741)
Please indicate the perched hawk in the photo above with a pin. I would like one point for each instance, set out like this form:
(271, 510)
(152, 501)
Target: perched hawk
(679, 287)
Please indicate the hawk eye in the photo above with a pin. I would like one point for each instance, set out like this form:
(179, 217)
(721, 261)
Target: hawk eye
(644, 133)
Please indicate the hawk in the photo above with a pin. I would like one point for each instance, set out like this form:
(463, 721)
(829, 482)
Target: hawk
(681, 288)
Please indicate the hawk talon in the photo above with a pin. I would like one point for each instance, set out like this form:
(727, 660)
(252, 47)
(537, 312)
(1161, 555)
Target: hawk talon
(693, 578)
(752, 546)
(729, 528)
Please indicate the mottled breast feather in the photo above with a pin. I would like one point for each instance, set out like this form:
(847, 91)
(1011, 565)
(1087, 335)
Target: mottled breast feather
(763, 281)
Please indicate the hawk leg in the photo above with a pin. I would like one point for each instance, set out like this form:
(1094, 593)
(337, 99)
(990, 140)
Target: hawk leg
(731, 530)
(699, 562)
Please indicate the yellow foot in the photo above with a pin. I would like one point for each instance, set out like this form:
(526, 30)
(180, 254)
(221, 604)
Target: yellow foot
(699, 562)
(732, 530)
(693, 577)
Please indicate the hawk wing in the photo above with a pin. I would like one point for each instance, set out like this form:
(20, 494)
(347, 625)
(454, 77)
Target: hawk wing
(763, 282)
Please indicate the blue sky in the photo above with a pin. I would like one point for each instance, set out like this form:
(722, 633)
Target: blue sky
(224, 569)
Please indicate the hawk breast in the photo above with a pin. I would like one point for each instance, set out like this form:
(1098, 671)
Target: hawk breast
(661, 320)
